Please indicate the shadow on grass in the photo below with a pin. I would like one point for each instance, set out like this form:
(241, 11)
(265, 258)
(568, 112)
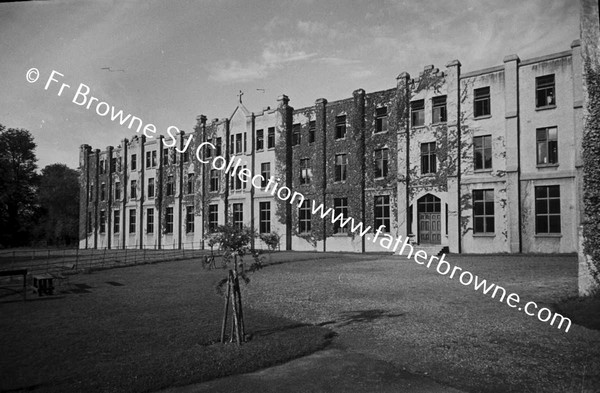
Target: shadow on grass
(361, 316)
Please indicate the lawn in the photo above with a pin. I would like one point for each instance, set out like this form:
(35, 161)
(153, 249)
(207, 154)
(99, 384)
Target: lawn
(137, 329)
(431, 325)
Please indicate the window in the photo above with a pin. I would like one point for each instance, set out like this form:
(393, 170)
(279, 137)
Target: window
(117, 191)
(265, 172)
(482, 152)
(312, 128)
(150, 220)
(102, 221)
(213, 217)
(133, 191)
(547, 146)
(133, 162)
(186, 155)
(116, 221)
(218, 146)
(208, 149)
(89, 222)
(238, 143)
(189, 219)
(483, 211)
(190, 183)
(547, 209)
(296, 134)
(304, 217)
(305, 171)
(544, 91)
(151, 187)
(381, 162)
(417, 113)
(428, 158)
(165, 157)
(340, 207)
(481, 102)
(169, 220)
(382, 212)
(238, 215)
(102, 191)
(260, 140)
(271, 138)
(340, 127)
(214, 180)
(113, 164)
(92, 195)
(132, 221)
(151, 159)
(264, 217)
(170, 186)
(439, 110)
(236, 183)
(341, 163)
(232, 144)
(381, 119)
(102, 167)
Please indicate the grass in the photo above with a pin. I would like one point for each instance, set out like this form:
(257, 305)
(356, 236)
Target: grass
(398, 311)
(584, 311)
(137, 329)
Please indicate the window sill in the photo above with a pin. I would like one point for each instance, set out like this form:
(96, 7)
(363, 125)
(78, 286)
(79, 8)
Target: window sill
(482, 117)
(484, 234)
(478, 171)
(551, 235)
(546, 107)
(441, 123)
(380, 178)
(547, 165)
(340, 235)
(380, 132)
(419, 126)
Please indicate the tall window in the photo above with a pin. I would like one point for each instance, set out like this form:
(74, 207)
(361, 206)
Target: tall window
(340, 127)
(213, 217)
(103, 191)
(439, 109)
(547, 209)
(296, 134)
(238, 143)
(236, 183)
(151, 159)
(170, 186)
(260, 140)
(483, 211)
(186, 155)
(381, 162)
(264, 217)
(132, 224)
(417, 113)
(189, 219)
(190, 183)
(381, 119)
(428, 158)
(382, 212)
(481, 102)
(150, 220)
(133, 162)
(547, 145)
(117, 191)
(214, 180)
(341, 164)
(133, 190)
(304, 217)
(151, 187)
(219, 146)
(116, 221)
(238, 215)
(169, 220)
(544, 91)
(102, 221)
(113, 164)
(165, 159)
(102, 167)
(312, 127)
(208, 149)
(340, 207)
(305, 171)
(482, 152)
(271, 138)
(265, 172)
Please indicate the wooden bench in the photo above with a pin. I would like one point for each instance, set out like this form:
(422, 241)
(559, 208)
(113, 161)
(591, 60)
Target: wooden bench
(17, 272)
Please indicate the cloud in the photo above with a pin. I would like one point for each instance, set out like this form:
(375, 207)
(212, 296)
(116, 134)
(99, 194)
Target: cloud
(274, 56)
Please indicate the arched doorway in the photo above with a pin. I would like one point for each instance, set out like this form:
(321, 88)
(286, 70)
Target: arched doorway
(430, 219)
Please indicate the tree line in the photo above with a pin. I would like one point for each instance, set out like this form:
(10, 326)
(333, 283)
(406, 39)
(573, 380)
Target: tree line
(36, 208)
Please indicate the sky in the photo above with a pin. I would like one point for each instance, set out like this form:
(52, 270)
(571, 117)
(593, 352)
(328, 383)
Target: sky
(167, 62)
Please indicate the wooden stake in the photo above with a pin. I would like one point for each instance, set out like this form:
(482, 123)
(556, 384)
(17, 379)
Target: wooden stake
(225, 312)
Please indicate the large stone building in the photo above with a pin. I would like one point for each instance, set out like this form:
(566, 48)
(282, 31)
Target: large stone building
(479, 161)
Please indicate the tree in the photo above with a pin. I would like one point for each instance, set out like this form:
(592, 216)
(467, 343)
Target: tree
(235, 243)
(59, 201)
(18, 182)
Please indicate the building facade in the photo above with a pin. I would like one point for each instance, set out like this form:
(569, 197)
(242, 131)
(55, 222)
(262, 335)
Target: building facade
(482, 161)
